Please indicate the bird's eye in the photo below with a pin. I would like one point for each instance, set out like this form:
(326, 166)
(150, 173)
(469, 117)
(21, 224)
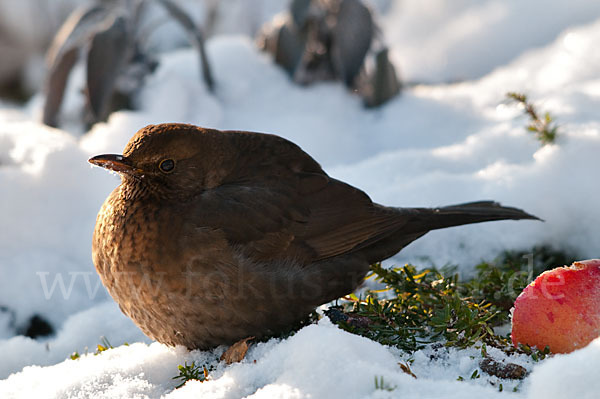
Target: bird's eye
(166, 165)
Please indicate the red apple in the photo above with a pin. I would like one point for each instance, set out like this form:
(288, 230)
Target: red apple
(561, 308)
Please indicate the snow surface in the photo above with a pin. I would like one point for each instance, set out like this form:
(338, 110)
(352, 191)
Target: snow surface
(433, 145)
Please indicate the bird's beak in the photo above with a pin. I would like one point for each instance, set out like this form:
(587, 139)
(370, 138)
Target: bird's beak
(114, 162)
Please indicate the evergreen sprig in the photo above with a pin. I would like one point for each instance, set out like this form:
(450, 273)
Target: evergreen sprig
(542, 125)
(418, 308)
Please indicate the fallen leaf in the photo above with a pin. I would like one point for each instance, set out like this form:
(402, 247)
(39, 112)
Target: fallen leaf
(236, 352)
(407, 369)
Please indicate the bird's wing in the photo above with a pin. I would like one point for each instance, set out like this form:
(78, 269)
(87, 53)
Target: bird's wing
(292, 209)
(342, 218)
(319, 218)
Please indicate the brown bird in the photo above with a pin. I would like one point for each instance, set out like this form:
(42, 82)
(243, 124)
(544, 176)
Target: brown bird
(213, 236)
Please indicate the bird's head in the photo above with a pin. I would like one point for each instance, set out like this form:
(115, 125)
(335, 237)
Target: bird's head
(171, 160)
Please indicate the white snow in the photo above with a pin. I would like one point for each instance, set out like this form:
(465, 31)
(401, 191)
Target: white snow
(568, 376)
(319, 361)
(434, 145)
(440, 41)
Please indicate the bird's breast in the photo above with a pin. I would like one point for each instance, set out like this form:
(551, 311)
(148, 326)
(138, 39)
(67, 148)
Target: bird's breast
(124, 239)
(182, 282)
(162, 269)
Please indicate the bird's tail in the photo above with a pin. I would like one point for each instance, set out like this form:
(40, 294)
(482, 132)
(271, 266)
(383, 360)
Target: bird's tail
(418, 221)
(471, 212)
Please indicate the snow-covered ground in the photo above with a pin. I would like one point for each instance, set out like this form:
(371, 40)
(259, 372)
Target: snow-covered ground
(434, 145)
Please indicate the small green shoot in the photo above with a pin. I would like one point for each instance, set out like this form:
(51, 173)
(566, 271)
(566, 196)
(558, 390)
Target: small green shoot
(192, 372)
(483, 350)
(544, 127)
(381, 385)
(104, 345)
(536, 354)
